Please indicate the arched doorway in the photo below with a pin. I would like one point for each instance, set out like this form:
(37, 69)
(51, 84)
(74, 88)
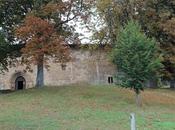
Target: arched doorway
(20, 83)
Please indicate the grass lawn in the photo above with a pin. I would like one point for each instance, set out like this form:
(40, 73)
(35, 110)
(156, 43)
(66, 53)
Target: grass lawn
(86, 108)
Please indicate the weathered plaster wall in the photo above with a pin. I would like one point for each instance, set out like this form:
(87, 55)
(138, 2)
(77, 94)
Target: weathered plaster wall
(86, 67)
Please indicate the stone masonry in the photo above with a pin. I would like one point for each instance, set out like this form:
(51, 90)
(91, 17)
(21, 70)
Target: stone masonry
(85, 67)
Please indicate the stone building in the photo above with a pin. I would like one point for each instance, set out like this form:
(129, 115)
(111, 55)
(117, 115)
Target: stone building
(86, 67)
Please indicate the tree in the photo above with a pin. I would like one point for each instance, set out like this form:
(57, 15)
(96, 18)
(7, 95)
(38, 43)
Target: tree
(8, 53)
(12, 12)
(46, 32)
(41, 43)
(4, 49)
(136, 57)
(157, 19)
(113, 14)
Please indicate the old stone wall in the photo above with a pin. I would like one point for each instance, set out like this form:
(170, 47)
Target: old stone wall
(85, 67)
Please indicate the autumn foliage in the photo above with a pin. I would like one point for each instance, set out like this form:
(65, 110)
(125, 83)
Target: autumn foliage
(41, 42)
(44, 31)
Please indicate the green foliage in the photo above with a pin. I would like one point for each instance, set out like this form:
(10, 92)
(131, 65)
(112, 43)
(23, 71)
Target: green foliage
(8, 53)
(12, 12)
(112, 15)
(156, 17)
(4, 49)
(158, 20)
(135, 56)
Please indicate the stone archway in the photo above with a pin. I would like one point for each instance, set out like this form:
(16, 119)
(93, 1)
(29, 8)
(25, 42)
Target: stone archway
(20, 83)
(20, 80)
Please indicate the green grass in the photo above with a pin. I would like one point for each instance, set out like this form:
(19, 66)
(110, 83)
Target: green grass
(86, 108)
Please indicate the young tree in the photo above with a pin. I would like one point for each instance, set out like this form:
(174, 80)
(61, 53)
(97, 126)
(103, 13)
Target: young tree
(136, 57)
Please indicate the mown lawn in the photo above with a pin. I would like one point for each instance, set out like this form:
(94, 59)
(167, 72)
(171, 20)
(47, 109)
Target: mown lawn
(86, 107)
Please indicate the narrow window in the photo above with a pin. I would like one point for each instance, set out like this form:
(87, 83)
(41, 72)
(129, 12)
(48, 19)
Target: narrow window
(110, 80)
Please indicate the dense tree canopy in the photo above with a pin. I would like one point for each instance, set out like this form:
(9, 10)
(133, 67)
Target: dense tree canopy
(8, 53)
(158, 20)
(12, 12)
(112, 15)
(3, 53)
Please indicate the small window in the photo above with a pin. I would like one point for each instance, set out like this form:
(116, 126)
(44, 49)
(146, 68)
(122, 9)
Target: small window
(110, 80)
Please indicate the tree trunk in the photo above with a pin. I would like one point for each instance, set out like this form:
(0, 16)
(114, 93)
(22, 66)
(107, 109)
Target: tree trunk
(40, 75)
(172, 84)
(138, 100)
